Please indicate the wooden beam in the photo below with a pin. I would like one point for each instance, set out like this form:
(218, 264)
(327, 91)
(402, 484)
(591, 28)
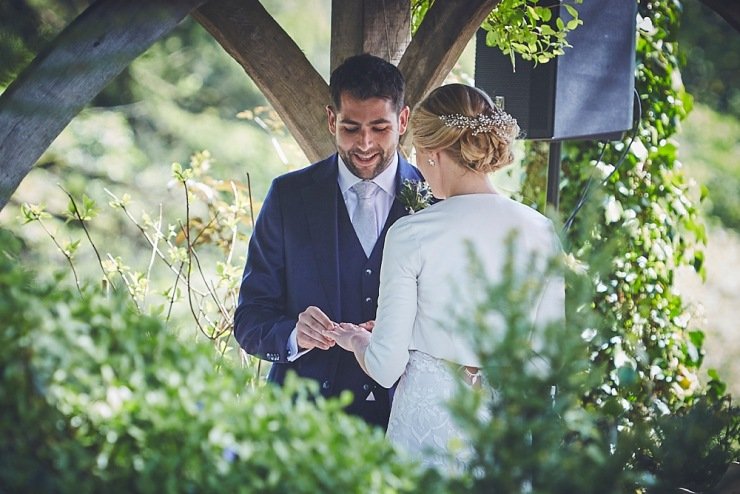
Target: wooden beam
(728, 10)
(438, 43)
(277, 66)
(78, 64)
(347, 28)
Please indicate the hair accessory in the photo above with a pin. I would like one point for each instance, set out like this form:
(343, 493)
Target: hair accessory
(497, 121)
(431, 162)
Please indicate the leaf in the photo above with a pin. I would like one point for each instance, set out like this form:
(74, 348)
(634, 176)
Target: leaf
(33, 212)
(71, 248)
(546, 30)
(89, 208)
(533, 13)
(571, 10)
(572, 24)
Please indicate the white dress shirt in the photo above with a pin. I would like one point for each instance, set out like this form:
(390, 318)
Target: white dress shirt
(386, 180)
(425, 281)
(383, 200)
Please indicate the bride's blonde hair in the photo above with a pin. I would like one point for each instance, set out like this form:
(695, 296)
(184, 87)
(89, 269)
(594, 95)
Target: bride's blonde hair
(463, 121)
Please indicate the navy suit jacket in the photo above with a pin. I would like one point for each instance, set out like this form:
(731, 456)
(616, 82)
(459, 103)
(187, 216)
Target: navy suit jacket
(293, 263)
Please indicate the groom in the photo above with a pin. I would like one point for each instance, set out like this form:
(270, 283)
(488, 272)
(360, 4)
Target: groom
(314, 256)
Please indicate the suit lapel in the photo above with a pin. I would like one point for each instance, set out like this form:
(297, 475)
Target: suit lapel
(320, 207)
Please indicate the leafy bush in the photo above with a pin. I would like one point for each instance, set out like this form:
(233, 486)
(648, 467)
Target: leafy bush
(645, 217)
(536, 433)
(96, 397)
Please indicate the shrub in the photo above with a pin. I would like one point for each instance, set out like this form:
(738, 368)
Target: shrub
(96, 397)
(538, 434)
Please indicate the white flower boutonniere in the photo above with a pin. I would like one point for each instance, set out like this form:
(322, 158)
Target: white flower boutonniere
(415, 195)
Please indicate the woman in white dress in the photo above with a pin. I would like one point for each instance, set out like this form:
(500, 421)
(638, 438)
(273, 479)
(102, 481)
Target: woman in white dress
(459, 137)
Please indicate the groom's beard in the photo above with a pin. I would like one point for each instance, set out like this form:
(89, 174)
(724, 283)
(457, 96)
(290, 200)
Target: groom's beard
(358, 169)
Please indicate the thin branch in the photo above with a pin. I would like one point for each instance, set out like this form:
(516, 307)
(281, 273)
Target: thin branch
(87, 234)
(186, 231)
(131, 291)
(157, 230)
(153, 256)
(64, 252)
(178, 276)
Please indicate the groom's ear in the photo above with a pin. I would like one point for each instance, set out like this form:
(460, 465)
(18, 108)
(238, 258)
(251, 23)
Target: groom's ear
(403, 120)
(331, 117)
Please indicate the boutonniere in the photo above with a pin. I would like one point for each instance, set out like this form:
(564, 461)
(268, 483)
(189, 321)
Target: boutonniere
(415, 195)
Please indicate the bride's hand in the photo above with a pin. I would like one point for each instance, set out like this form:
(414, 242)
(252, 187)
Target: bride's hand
(367, 325)
(348, 336)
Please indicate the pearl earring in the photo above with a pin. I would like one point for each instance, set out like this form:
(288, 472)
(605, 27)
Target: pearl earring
(431, 162)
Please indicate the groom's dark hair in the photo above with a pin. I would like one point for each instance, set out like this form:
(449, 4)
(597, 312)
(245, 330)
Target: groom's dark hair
(367, 76)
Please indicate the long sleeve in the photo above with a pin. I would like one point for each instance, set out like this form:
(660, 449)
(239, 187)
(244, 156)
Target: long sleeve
(388, 353)
(261, 325)
(551, 306)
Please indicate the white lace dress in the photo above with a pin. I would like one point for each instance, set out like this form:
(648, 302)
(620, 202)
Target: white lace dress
(420, 424)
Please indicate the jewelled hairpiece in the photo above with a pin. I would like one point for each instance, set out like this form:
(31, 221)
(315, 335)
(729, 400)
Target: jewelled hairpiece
(483, 122)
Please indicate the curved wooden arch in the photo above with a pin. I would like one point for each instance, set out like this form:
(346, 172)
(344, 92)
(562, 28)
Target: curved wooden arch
(110, 34)
(728, 10)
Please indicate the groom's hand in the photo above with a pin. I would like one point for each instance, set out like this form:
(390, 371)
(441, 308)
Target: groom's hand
(312, 323)
(367, 325)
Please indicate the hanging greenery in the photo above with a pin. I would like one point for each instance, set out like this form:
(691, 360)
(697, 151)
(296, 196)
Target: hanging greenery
(531, 29)
(648, 222)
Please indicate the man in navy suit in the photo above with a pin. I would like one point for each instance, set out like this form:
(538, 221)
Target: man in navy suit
(315, 253)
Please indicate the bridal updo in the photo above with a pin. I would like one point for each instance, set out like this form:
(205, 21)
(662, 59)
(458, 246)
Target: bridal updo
(463, 121)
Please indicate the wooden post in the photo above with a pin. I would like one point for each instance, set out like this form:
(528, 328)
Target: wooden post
(379, 27)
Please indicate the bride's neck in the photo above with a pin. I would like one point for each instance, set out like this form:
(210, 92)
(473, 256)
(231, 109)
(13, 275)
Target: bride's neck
(470, 182)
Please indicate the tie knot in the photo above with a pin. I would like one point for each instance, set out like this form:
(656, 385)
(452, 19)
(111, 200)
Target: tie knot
(365, 189)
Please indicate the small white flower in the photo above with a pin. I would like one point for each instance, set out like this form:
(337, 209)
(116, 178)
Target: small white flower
(613, 210)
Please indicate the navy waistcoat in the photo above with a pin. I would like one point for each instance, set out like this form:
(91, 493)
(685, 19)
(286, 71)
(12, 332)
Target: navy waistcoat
(359, 282)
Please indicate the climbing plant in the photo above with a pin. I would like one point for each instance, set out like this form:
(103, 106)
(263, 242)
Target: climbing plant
(647, 221)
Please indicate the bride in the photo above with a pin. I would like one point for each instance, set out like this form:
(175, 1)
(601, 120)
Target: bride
(459, 137)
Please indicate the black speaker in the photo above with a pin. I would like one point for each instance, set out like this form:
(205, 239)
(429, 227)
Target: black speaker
(586, 93)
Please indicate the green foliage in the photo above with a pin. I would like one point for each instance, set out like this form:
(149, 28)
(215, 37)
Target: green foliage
(708, 436)
(710, 144)
(710, 51)
(95, 397)
(528, 29)
(521, 27)
(644, 215)
(534, 433)
(212, 221)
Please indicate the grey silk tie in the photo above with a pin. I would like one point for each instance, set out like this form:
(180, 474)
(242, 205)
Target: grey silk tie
(363, 218)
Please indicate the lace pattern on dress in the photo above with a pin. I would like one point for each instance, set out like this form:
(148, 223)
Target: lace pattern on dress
(420, 423)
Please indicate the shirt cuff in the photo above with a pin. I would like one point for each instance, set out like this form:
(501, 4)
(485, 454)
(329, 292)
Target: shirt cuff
(293, 353)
